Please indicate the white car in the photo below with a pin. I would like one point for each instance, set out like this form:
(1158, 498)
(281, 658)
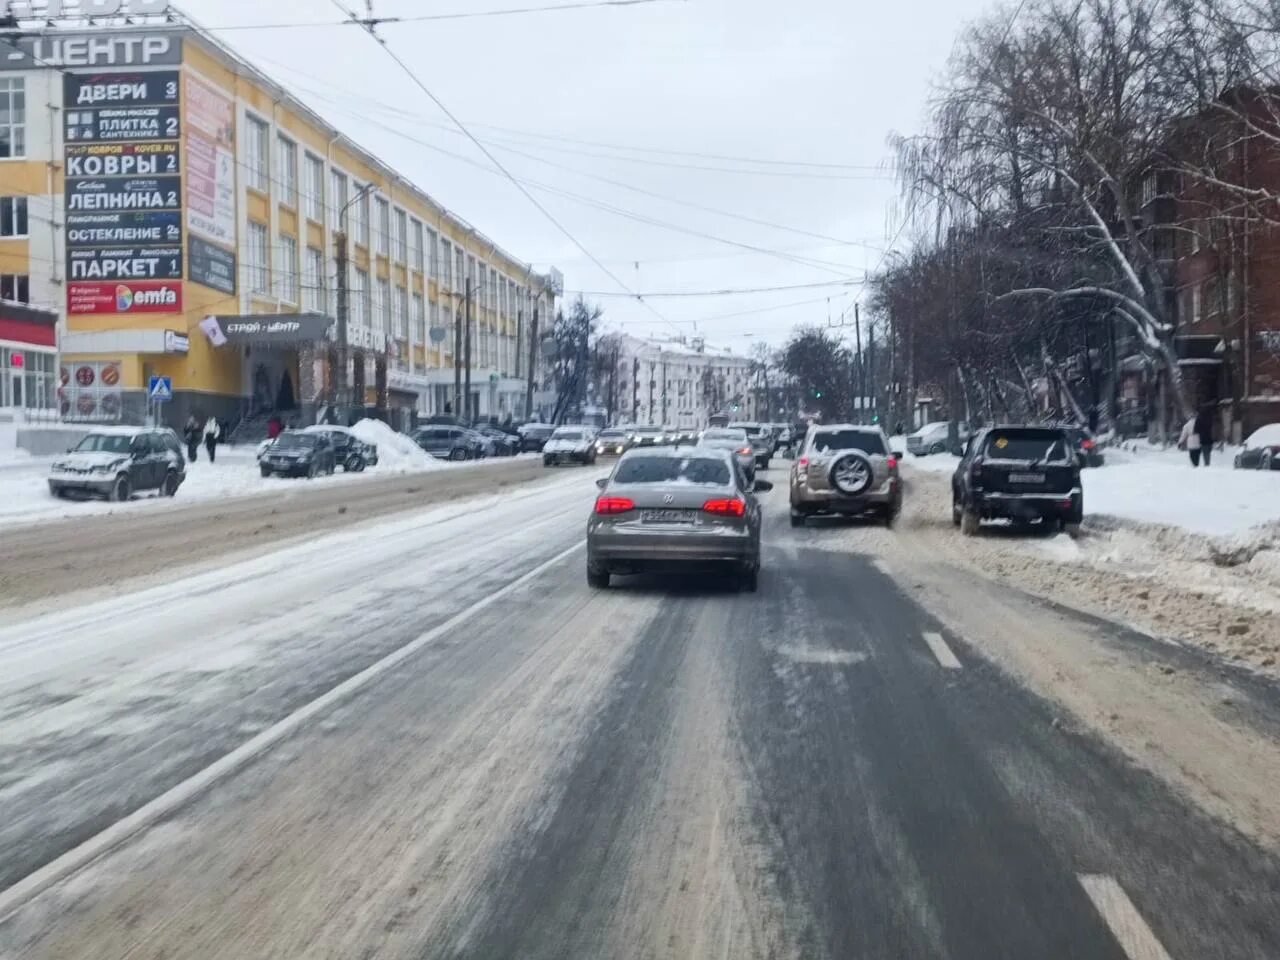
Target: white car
(932, 438)
(570, 445)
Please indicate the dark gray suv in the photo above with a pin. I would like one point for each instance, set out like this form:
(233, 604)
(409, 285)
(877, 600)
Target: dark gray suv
(117, 462)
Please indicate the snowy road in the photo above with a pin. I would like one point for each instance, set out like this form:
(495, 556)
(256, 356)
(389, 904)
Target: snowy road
(424, 736)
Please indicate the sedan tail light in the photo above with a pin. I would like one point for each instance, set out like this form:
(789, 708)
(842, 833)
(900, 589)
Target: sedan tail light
(892, 463)
(611, 505)
(745, 451)
(726, 508)
(1087, 444)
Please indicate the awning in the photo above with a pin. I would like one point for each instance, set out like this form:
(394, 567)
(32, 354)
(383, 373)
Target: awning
(266, 328)
(28, 325)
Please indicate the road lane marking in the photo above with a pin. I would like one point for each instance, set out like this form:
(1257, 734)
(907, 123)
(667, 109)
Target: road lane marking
(942, 651)
(1110, 900)
(177, 796)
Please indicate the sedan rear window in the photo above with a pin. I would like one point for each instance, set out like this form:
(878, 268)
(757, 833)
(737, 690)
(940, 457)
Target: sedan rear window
(671, 469)
(1044, 445)
(863, 440)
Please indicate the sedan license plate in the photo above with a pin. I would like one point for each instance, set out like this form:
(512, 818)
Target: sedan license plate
(1026, 478)
(666, 516)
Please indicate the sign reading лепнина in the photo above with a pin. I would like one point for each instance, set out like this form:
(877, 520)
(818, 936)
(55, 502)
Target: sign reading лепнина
(123, 188)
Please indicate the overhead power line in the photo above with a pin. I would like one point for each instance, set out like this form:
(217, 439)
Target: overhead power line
(727, 292)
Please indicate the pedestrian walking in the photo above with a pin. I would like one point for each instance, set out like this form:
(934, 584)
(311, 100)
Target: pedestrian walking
(1189, 440)
(274, 428)
(1204, 431)
(212, 434)
(191, 434)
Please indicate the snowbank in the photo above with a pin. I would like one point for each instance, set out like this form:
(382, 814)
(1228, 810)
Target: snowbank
(396, 452)
(1215, 502)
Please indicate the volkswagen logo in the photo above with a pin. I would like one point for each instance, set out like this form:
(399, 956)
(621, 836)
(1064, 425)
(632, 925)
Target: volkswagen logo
(668, 498)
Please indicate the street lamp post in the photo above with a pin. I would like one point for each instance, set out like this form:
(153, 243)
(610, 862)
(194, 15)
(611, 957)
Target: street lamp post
(340, 256)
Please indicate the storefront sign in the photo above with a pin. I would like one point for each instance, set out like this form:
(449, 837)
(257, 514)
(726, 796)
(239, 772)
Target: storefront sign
(101, 49)
(139, 296)
(175, 342)
(122, 159)
(211, 167)
(212, 266)
(119, 124)
(90, 391)
(120, 90)
(123, 228)
(126, 263)
(17, 359)
(266, 328)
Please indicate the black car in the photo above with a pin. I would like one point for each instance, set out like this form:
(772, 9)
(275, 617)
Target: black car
(116, 462)
(298, 453)
(534, 436)
(446, 443)
(1020, 473)
(504, 444)
(349, 451)
(1088, 452)
(1261, 450)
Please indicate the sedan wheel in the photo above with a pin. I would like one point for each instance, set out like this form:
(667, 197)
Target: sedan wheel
(170, 487)
(354, 464)
(458, 454)
(121, 490)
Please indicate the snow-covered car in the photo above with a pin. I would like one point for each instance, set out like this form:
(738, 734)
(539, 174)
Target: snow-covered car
(116, 462)
(932, 438)
(1261, 450)
(570, 445)
(349, 451)
(534, 435)
(297, 453)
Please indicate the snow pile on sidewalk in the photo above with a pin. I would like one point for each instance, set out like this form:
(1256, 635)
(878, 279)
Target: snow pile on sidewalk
(1214, 502)
(396, 452)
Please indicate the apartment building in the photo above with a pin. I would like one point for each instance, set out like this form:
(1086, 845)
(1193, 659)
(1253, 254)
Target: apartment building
(680, 383)
(177, 210)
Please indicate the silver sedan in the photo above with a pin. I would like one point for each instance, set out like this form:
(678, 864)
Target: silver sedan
(679, 508)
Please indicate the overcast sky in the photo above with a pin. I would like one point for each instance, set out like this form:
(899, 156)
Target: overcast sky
(810, 83)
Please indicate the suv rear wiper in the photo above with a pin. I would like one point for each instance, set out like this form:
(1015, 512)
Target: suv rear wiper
(1043, 459)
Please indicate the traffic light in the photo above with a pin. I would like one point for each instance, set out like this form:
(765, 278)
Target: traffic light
(817, 394)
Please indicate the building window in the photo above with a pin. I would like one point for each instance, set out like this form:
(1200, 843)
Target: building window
(13, 117)
(13, 216)
(15, 287)
(287, 269)
(256, 268)
(402, 237)
(384, 226)
(360, 298)
(459, 270)
(434, 255)
(1191, 304)
(287, 171)
(381, 304)
(337, 194)
(313, 286)
(446, 259)
(402, 313)
(1212, 297)
(257, 154)
(313, 184)
(415, 245)
(419, 319)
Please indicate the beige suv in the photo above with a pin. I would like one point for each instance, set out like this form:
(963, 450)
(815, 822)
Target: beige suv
(845, 470)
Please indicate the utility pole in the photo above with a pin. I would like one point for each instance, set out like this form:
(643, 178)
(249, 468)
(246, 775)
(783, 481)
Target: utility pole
(533, 362)
(457, 358)
(635, 390)
(340, 385)
(871, 367)
(861, 382)
(466, 346)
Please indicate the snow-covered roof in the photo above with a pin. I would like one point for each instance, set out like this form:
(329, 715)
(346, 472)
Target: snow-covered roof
(1267, 436)
(110, 431)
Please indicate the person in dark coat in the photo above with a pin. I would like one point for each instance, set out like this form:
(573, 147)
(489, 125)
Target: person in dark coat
(191, 434)
(1204, 429)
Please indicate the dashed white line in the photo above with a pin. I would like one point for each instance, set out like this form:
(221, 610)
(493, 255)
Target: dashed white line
(942, 651)
(110, 838)
(1110, 900)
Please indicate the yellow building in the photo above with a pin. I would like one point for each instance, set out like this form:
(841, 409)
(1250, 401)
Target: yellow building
(183, 211)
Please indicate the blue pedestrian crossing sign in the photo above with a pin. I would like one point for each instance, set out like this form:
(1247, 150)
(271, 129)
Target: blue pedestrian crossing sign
(160, 389)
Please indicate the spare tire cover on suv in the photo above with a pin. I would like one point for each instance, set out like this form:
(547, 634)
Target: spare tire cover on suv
(851, 473)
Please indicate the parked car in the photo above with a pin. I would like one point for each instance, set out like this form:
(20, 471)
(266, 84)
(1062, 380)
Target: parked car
(1085, 444)
(932, 438)
(504, 443)
(846, 470)
(481, 445)
(299, 453)
(534, 435)
(611, 442)
(1022, 473)
(684, 436)
(349, 451)
(117, 462)
(1261, 450)
(735, 441)
(761, 437)
(570, 445)
(445, 442)
(671, 509)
